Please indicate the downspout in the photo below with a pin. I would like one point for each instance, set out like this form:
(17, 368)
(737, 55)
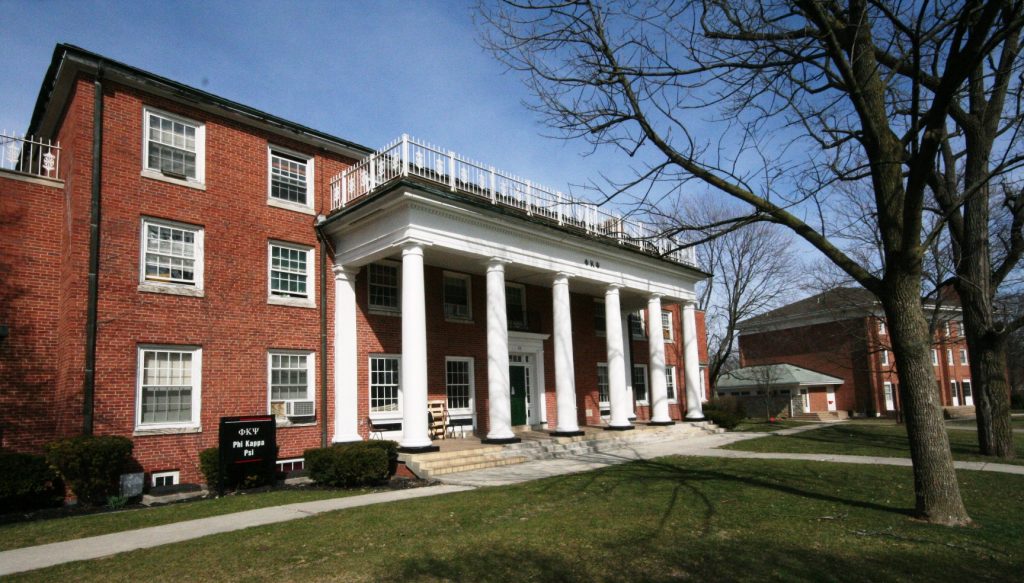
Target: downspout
(323, 331)
(89, 383)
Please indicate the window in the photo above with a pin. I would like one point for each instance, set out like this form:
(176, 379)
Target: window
(935, 357)
(382, 279)
(955, 392)
(600, 326)
(287, 466)
(885, 358)
(459, 384)
(172, 257)
(602, 384)
(666, 325)
(946, 326)
(949, 357)
(968, 393)
(515, 306)
(291, 274)
(963, 356)
(168, 387)
(640, 383)
(457, 304)
(384, 385)
(637, 325)
(881, 327)
(702, 375)
(290, 376)
(291, 175)
(670, 383)
(161, 479)
(174, 147)
(890, 401)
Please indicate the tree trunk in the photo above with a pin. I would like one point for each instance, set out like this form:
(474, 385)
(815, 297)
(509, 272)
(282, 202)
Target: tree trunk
(936, 489)
(991, 395)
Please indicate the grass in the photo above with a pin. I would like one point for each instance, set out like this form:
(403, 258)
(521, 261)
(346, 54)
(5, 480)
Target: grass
(1015, 422)
(25, 534)
(866, 439)
(695, 519)
(761, 424)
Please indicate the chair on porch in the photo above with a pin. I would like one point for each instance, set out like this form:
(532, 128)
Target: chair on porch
(375, 429)
(438, 416)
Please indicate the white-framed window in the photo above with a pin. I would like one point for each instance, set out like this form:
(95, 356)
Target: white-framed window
(161, 479)
(963, 356)
(382, 280)
(168, 387)
(670, 383)
(458, 382)
(287, 466)
(881, 328)
(173, 147)
(666, 325)
(290, 389)
(947, 328)
(290, 278)
(935, 357)
(640, 383)
(702, 375)
(949, 357)
(515, 306)
(890, 400)
(968, 392)
(602, 385)
(600, 325)
(638, 325)
(385, 386)
(289, 178)
(457, 296)
(885, 358)
(954, 390)
(171, 258)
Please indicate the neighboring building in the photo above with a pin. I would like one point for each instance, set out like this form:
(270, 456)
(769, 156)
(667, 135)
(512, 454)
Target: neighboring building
(842, 333)
(247, 264)
(770, 390)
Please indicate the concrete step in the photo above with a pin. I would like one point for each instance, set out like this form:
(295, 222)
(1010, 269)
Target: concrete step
(482, 465)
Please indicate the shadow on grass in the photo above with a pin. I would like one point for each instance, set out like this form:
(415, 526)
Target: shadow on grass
(869, 437)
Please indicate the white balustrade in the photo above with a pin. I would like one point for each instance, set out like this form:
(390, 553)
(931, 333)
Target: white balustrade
(27, 155)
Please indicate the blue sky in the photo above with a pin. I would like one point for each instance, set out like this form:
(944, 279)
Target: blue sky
(364, 71)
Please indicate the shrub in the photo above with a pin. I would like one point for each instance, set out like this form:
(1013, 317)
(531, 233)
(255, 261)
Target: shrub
(253, 476)
(726, 412)
(352, 464)
(28, 483)
(91, 465)
(390, 448)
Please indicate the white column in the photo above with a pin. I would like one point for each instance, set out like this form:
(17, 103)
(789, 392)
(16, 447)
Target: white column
(346, 363)
(691, 364)
(565, 375)
(414, 351)
(627, 357)
(656, 363)
(616, 360)
(499, 409)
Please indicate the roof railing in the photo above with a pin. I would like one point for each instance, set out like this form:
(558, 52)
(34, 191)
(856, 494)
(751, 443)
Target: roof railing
(27, 155)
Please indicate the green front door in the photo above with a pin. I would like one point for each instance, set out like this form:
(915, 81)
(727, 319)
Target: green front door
(517, 386)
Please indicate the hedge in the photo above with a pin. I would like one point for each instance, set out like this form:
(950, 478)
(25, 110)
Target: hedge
(91, 465)
(726, 412)
(28, 483)
(351, 465)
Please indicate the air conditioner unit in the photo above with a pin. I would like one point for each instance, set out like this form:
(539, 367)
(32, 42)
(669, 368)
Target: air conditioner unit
(299, 408)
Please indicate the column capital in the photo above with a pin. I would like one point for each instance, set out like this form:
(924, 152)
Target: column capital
(497, 264)
(562, 278)
(344, 272)
(655, 296)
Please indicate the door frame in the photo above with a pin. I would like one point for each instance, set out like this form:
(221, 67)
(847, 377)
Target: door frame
(830, 398)
(532, 345)
(805, 396)
(528, 379)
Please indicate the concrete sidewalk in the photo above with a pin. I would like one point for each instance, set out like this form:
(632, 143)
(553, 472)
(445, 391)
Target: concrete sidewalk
(38, 557)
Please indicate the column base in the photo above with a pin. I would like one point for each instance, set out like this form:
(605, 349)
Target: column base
(695, 419)
(500, 440)
(576, 433)
(619, 427)
(420, 449)
(661, 423)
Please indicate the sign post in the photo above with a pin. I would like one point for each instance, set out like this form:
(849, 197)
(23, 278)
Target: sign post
(246, 443)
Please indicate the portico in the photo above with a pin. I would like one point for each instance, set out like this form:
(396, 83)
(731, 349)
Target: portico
(390, 238)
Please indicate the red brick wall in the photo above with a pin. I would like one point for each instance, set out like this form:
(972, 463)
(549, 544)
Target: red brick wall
(30, 223)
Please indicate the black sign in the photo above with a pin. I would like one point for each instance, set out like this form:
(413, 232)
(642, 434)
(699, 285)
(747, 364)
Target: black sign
(248, 446)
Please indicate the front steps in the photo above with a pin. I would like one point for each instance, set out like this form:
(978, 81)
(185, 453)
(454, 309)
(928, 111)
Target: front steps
(821, 416)
(539, 445)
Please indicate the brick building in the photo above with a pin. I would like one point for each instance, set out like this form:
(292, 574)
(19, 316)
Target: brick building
(842, 333)
(181, 257)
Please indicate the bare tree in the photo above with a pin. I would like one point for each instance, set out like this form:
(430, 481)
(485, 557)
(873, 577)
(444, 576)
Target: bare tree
(802, 95)
(754, 269)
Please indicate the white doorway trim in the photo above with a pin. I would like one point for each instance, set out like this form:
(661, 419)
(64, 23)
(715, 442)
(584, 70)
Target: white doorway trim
(532, 345)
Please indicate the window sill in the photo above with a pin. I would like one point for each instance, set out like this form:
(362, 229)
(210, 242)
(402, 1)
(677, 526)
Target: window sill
(146, 173)
(290, 206)
(382, 312)
(293, 302)
(384, 418)
(171, 289)
(283, 423)
(141, 431)
(459, 320)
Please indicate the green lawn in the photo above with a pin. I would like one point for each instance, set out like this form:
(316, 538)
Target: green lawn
(761, 424)
(867, 439)
(1015, 422)
(25, 534)
(692, 519)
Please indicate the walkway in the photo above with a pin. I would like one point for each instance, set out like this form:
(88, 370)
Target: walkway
(38, 557)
